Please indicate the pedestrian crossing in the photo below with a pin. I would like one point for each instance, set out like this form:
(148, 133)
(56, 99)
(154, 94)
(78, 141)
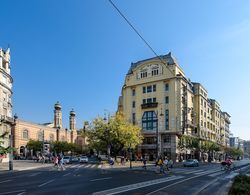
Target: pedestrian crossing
(83, 166)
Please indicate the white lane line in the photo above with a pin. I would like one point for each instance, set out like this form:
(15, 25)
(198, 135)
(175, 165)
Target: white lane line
(22, 193)
(66, 174)
(12, 192)
(137, 185)
(205, 172)
(99, 166)
(34, 174)
(231, 176)
(104, 178)
(205, 186)
(153, 192)
(92, 166)
(196, 171)
(46, 183)
(5, 181)
(216, 174)
(88, 166)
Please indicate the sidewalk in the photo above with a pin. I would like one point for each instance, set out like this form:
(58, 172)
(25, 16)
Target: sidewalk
(22, 165)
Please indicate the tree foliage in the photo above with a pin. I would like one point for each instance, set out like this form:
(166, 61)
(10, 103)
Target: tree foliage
(117, 134)
(4, 150)
(34, 145)
(59, 146)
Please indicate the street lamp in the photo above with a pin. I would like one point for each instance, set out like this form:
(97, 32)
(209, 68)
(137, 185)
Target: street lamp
(11, 143)
(108, 136)
(157, 136)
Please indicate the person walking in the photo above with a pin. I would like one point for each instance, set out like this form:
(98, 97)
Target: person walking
(144, 161)
(166, 164)
(61, 164)
(56, 162)
(170, 162)
(160, 164)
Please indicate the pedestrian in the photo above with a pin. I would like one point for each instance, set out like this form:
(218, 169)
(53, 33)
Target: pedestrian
(170, 162)
(160, 163)
(144, 161)
(61, 164)
(56, 161)
(165, 164)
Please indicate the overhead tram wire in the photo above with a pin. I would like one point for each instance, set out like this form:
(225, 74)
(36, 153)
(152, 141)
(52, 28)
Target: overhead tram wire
(136, 31)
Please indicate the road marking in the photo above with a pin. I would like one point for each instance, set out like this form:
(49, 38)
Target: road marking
(215, 174)
(204, 173)
(137, 185)
(46, 183)
(196, 171)
(34, 174)
(5, 181)
(12, 192)
(205, 186)
(88, 166)
(104, 178)
(231, 176)
(22, 193)
(99, 166)
(66, 174)
(92, 166)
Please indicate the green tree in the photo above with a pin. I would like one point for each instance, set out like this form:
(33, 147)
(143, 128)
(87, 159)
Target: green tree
(35, 145)
(117, 134)
(4, 150)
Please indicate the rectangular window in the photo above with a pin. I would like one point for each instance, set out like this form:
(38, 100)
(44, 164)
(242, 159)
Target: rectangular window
(154, 88)
(155, 72)
(167, 139)
(201, 112)
(144, 101)
(133, 104)
(143, 74)
(166, 87)
(167, 119)
(133, 92)
(149, 100)
(149, 89)
(144, 89)
(133, 118)
(166, 100)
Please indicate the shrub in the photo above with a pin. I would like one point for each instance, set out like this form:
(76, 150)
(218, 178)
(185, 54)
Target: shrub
(241, 185)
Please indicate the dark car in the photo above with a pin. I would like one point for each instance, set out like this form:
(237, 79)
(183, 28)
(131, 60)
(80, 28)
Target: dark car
(191, 163)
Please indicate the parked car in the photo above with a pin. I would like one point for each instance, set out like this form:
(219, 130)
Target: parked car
(67, 159)
(102, 157)
(191, 163)
(83, 159)
(74, 159)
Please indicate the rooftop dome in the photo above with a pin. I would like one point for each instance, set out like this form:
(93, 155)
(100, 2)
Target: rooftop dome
(57, 105)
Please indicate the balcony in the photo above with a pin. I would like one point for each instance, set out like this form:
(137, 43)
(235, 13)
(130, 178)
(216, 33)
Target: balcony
(149, 105)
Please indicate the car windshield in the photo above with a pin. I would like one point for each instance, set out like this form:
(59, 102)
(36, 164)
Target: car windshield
(66, 157)
(190, 160)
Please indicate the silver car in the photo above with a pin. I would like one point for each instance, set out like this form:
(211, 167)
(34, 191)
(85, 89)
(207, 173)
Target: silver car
(83, 159)
(191, 163)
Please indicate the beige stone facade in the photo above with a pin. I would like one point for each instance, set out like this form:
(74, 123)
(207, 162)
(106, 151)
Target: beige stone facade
(49, 132)
(159, 98)
(5, 98)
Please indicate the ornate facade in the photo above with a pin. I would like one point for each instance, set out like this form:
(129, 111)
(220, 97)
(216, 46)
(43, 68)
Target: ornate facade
(5, 99)
(159, 98)
(49, 132)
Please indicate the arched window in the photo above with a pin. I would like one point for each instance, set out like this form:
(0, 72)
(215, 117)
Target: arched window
(40, 135)
(149, 121)
(25, 134)
(62, 138)
(51, 137)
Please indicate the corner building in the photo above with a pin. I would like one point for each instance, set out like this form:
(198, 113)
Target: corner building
(159, 98)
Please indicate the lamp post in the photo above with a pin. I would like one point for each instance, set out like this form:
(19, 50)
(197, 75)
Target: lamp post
(157, 136)
(11, 143)
(108, 136)
(130, 156)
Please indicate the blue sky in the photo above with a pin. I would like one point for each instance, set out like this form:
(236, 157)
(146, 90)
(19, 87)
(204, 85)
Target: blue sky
(72, 51)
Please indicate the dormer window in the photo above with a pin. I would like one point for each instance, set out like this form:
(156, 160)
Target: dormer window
(144, 74)
(155, 72)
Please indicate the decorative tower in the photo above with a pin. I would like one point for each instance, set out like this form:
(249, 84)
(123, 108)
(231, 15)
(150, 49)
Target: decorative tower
(72, 120)
(58, 116)
(72, 125)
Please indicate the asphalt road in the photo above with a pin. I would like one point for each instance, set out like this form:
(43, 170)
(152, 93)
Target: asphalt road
(91, 179)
